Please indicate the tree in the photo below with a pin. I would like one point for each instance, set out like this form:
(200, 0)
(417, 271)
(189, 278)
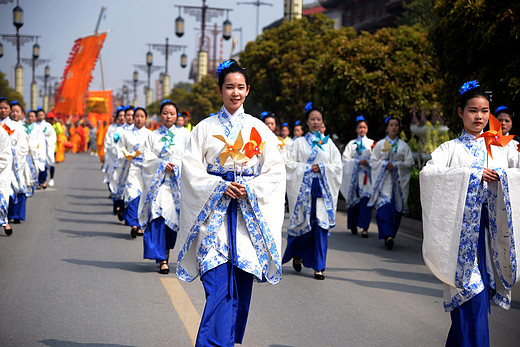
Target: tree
(8, 92)
(204, 99)
(282, 65)
(478, 40)
(377, 75)
(418, 12)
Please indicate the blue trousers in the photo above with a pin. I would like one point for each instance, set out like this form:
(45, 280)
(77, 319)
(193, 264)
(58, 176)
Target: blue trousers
(42, 176)
(388, 220)
(359, 215)
(311, 247)
(130, 214)
(17, 206)
(225, 314)
(469, 321)
(157, 239)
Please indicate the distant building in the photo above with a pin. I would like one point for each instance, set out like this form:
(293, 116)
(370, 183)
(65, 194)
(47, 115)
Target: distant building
(367, 15)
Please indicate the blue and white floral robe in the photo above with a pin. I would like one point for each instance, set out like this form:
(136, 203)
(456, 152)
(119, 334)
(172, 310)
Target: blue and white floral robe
(127, 172)
(452, 194)
(298, 160)
(203, 233)
(396, 183)
(36, 157)
(110, 151)
(6, 162)
(357, 181)
(161, 190)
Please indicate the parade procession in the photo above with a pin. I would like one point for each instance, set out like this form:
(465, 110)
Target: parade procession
(312, 173)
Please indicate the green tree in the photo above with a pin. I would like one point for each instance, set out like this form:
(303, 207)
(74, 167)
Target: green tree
(179, 95)
(282, 65)
(8, 92)
(204, 99)
(377, 75)
(478, 39)
(418, 12)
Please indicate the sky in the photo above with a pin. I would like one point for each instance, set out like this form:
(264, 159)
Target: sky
(132, 24)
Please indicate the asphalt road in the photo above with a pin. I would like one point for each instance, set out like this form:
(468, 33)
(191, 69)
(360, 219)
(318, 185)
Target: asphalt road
(72, 276)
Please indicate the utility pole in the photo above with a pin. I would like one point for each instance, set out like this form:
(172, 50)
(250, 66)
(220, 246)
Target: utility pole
(256, 3)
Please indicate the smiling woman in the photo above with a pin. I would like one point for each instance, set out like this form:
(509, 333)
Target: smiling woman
(468, 197)
(230, 232)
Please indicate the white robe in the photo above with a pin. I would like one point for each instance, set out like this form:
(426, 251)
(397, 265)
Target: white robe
(384, 182)
(110, 151)
(161, 190)
(20, 149)
(36, 156)
(354, 175)
(127, 174)
(50, 142)
(6, 161)
(203, 233)
(452, 194)
(298, 160)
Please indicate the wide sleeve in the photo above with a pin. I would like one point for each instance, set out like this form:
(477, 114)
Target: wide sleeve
(296, 165)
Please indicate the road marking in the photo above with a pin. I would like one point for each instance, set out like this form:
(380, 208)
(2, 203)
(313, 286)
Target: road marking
(185, 309)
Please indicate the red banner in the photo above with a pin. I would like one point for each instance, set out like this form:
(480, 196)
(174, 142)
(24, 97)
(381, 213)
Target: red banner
(70, 97)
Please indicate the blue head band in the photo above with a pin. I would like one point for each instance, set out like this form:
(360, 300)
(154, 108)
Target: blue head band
(360, 118)
(469, 85)
(224, 65)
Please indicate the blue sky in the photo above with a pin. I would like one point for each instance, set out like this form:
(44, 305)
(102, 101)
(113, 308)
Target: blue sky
(132, 24)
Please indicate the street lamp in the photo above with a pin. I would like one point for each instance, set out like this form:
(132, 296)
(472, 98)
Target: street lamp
(125, 94)
(226, 31)
(179, 25)
(135, 80)
(166, 50)
(46, 75)
(184, 59)
(1, 49)
(18, 71)
(201, 13)
(35, 55)
(149, 62)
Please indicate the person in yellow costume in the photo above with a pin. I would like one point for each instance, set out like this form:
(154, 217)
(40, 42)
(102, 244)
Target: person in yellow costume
(60, 137)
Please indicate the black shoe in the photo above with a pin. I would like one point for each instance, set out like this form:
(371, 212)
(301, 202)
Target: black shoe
(389, 243)
(164, 271)
(9, 231)
(120, 214)
(353, 231)
(16, 221)
(133, 232)
(319, 276)
(297, 266)
(364, 234)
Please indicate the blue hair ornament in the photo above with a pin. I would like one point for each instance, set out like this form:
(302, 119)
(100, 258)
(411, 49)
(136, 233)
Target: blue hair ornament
(224, 65)
(360, 118)
(468, 86)
(298, 122)
(14, 102)
(39, 109)
(308, 107)
(386, 119)
(500, 108)
(166, 100)
(285, 124)
(118, 109)
(264, 114)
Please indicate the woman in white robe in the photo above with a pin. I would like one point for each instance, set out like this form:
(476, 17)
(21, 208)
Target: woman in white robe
(20, 148)
(391, 162)
(50, 146)
(159, 207)
(231, 220)
(113, 161)
(356, 185)
(505, 116)
(6, 162)
(471, 226)
(314, 169)
(129, 164)
(37, 152)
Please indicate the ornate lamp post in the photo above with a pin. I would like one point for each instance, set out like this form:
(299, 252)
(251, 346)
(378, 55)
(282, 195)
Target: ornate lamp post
(166, 49)
(200, 13)
(256, 3)
(46, 75)
(1, 49)
(149, 62)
